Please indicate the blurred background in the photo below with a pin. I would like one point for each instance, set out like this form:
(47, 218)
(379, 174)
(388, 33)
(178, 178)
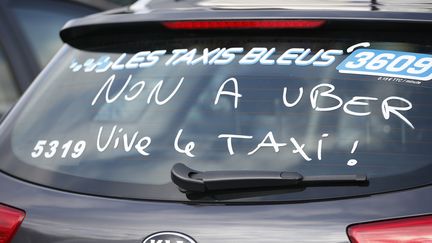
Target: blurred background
(29, 38)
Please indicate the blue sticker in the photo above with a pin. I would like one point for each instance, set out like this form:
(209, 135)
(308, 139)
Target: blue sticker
(396, 64)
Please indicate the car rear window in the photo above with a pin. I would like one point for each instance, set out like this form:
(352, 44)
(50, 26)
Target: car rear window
(113, 121)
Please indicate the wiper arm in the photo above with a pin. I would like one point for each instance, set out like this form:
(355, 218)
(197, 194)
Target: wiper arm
(197, 181)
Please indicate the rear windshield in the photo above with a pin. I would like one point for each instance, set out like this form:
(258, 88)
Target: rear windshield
(114, 120)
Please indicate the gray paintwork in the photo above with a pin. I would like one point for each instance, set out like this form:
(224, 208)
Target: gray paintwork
(333, 5)
(160, 10)
(56, 216)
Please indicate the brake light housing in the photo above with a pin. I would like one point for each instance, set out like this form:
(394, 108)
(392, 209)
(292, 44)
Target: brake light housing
(413, 230)
(243, 24)
(10, 220)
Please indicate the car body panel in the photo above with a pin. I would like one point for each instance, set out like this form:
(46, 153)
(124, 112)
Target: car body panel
(200, 14)
(335, 5)
(56, 216)
(59, 216)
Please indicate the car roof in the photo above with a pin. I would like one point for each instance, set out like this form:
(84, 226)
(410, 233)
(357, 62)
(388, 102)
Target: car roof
(332, 5)
(151, 11)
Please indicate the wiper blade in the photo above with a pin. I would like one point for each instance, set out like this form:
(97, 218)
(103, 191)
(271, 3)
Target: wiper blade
(191, 180)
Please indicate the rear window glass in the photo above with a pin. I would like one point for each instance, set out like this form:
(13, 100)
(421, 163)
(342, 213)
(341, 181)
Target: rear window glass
(113, 121)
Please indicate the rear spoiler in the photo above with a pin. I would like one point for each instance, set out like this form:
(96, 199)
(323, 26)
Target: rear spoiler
(122, 22)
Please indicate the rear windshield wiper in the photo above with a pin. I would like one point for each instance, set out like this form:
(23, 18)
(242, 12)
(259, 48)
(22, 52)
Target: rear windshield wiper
(191, 180)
